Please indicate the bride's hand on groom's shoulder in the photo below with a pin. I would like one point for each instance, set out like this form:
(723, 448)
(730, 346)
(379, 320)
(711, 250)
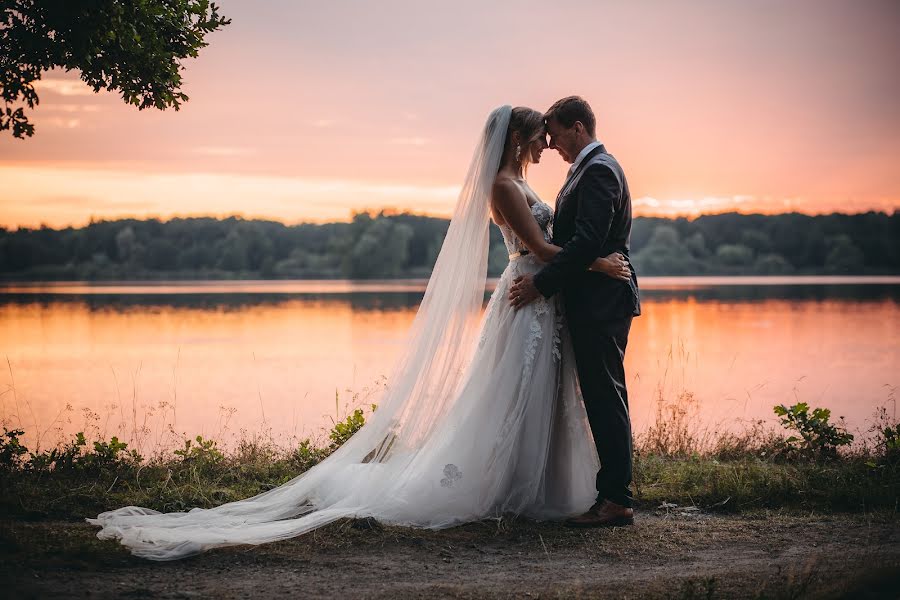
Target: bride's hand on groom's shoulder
(614, 265)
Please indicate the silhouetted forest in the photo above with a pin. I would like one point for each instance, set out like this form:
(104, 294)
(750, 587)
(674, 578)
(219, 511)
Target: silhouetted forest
(403, 245)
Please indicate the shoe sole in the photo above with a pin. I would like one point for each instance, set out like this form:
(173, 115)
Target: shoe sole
(619, 522)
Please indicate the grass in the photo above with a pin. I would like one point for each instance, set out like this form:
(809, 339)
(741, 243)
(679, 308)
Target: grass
(849, 484)
(674, 468)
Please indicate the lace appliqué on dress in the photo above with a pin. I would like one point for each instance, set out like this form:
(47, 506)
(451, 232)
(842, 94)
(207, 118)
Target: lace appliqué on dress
(557, 340)
(451, 474)
(535, 333)
(543, 214)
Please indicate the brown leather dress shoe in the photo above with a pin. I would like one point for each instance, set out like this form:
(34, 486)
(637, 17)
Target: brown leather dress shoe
(604, 514)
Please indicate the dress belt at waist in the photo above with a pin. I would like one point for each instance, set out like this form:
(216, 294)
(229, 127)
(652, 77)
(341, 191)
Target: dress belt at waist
(515, 255)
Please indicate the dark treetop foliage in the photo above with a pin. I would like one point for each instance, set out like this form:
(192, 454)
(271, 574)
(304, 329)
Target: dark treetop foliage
(403, 245)
(132, 46)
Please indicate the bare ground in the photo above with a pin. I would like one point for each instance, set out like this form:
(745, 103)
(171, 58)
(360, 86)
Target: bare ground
(665, 555)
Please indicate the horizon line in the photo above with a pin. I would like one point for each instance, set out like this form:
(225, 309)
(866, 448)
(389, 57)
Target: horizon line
(390, 211)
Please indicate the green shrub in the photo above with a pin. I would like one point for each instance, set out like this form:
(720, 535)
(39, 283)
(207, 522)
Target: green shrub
(11, 450)
(344, 430)
(204, 453)
(307, 455)
(74, 457)
(818, 439)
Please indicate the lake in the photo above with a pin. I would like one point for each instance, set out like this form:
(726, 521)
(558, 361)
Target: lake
(152, 362)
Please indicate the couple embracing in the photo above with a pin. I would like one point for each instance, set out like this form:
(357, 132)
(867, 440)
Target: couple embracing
(522, 410)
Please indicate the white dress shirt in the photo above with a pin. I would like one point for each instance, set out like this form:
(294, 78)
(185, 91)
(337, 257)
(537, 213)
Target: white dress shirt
(584, 152)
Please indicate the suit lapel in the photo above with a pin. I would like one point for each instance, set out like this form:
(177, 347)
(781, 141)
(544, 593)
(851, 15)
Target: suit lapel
(576, 173)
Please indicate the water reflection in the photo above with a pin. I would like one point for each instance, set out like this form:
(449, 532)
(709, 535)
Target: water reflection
(255, 354)
(400, 294)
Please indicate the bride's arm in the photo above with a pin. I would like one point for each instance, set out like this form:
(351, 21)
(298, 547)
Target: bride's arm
(509, 201)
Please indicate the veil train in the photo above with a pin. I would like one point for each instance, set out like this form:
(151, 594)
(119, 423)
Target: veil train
(420, 391)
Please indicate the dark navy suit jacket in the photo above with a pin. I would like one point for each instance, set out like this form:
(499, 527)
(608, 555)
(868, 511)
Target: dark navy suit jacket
(592, 219)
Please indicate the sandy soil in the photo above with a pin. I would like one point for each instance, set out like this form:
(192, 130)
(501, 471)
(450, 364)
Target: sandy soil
(665, 555)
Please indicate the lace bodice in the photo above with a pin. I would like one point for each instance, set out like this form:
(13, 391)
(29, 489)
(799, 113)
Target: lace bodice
(543, 214)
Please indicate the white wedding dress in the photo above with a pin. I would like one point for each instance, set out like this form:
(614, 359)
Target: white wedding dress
(481, 418)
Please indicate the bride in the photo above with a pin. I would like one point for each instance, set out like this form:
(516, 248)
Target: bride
(481, 417)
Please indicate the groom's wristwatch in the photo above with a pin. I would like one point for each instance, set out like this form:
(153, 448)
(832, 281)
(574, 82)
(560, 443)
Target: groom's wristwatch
(518, 254)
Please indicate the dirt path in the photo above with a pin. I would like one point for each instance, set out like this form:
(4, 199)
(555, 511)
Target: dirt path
(663, 556)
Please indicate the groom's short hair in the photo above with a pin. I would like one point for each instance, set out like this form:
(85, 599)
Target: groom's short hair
(571, 109)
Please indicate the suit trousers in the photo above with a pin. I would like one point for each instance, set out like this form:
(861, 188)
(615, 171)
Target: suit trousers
(599, 357)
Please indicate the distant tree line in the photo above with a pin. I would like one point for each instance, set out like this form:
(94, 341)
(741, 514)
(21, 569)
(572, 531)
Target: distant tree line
(791, 243)
(388, 245)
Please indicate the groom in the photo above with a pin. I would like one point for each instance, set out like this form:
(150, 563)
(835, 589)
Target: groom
(593, 218)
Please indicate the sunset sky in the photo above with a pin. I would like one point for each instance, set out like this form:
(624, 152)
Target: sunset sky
(307, 111)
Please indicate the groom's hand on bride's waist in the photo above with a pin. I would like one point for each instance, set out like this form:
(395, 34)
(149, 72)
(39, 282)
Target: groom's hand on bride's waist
(523, 291)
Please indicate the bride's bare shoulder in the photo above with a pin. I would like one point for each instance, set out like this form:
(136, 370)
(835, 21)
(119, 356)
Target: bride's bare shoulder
(504, 183)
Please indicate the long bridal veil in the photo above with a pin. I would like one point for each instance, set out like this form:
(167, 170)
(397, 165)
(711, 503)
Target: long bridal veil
(368, 469)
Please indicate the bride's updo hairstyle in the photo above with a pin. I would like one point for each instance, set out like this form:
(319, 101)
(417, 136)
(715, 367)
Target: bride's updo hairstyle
(529, 124)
